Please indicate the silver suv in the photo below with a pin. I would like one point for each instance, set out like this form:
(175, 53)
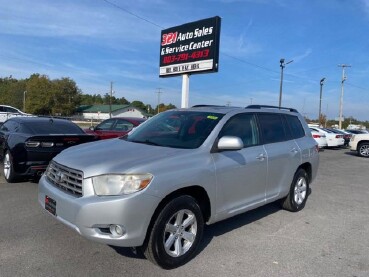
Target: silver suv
(156, 187)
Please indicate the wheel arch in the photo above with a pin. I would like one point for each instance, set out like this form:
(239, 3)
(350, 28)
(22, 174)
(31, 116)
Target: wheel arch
(308, 169)
(361, 142)
(197, 192)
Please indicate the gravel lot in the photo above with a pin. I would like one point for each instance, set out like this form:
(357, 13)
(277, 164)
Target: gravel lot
(330, 237)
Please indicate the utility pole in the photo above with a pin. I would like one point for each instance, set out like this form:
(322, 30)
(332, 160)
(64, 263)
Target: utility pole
(341, 99)
(159, 92)
(111, 95)
(320, 101)
(282, 65)
(24, 101)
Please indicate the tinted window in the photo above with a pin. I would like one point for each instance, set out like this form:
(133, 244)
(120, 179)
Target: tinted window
(295, 126)
(243, 126)
(105, 125)
(53, 127)
(272, 128)
(123, 125)
(10, 126)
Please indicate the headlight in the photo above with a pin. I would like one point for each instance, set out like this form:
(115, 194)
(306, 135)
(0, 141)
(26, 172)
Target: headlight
(115, 184)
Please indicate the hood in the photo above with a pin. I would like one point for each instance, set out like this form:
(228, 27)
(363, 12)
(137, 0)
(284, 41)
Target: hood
(113, 156)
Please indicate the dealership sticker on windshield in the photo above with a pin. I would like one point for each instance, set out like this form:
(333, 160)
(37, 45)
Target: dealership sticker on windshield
(212, 117)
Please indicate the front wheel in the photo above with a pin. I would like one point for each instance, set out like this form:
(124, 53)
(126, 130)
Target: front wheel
(8, 168)
(299, 191)
(176, 233)
(363, 150)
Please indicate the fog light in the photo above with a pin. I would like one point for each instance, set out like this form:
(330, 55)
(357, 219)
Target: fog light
(117, 230)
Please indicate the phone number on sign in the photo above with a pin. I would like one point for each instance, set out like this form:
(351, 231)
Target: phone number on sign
(186, 56)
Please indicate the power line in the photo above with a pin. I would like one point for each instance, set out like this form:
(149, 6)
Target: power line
(133, 14)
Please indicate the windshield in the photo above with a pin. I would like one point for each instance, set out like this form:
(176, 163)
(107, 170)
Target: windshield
(177, 129)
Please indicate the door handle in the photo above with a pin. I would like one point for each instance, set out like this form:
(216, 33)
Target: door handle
(260, 157)
(294, 150)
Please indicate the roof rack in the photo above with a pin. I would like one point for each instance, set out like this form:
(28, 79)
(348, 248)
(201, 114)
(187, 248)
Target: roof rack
(271, 107)
(199, 106)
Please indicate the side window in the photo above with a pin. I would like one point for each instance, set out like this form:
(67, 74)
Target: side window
(272, 127)
(106, 125)
(243, 126)
(10, 110)
(9, 126)
(295, 126)
(123, 125)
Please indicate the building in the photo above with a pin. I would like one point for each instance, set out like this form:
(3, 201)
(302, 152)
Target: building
(102, 112)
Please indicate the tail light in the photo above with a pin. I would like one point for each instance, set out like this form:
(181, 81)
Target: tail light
(35, 144)
(316, 136)
(339, 136)
(32, 144)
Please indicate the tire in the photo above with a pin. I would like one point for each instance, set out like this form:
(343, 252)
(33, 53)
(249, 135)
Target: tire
(363, 150)
(299, 192)
(176, 233)
(8, 168)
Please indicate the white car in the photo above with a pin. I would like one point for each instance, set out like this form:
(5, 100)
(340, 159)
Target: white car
(360, 144)
(8, 112)
(320, 138)
(333, 139)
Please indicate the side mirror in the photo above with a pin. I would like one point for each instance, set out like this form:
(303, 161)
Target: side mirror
(92, 128)
(230, 143)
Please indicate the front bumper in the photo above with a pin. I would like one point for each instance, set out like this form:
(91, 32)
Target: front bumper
(91, 216)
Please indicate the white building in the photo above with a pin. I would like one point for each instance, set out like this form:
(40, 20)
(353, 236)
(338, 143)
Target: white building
(102, 112)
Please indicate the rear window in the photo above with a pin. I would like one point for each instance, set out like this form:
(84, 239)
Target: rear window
(295, 126)
(52, 127)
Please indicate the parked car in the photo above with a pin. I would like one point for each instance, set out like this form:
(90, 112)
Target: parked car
(346, 135)
(8, 112)
(320, 138)
(360, 144)
(27, 144)
(333, 139)
(160, 184)
(356, 131)
(115, 127)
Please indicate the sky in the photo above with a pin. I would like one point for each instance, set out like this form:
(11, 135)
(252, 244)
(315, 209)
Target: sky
(95, 42)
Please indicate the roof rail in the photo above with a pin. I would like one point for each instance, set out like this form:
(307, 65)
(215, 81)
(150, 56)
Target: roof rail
(271, 107)
(199, 106)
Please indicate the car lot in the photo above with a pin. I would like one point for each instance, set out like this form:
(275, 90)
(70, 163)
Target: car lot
(327, 238)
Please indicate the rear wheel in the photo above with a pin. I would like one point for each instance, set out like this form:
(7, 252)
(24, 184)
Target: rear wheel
(8, 168)
(297, 197)
(363, 149)
(176, 233)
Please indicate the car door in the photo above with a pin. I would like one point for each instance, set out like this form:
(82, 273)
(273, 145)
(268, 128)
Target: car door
(120, 128)
(283, 153)
(241, 174)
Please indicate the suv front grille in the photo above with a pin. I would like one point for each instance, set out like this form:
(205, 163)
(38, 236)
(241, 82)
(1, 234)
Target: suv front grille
(65, 178)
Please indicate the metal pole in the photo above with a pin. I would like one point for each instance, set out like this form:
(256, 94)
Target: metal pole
(159, 92)
(283, 65)
(24, 101)
(320, 101)
(185, 90)
(111, 95)
(341, 98)
(280, 86)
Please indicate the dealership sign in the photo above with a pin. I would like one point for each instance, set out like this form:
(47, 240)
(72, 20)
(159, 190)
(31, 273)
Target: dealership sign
(190, 48)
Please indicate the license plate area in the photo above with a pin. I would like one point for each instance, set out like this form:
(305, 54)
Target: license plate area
(50, 205)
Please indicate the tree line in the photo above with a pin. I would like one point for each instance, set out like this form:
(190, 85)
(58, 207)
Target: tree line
(40, 95)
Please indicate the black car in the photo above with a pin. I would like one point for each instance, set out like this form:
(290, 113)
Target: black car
(27, 144)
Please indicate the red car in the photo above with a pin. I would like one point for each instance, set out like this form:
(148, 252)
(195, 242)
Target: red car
(114, 127)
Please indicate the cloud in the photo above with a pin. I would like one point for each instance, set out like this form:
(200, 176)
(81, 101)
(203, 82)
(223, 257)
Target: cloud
(302, 56)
